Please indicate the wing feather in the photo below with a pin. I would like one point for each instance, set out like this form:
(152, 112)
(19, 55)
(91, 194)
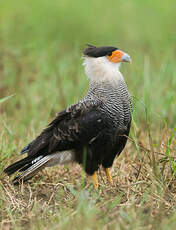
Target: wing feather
(72, 127)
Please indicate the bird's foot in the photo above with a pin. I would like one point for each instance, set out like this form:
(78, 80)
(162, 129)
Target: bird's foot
(108, 175)
(95, 180)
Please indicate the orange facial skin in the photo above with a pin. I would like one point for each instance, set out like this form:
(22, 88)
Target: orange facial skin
(116, 56)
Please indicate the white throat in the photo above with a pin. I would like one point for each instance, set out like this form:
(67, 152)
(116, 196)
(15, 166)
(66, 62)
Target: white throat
(102, 70)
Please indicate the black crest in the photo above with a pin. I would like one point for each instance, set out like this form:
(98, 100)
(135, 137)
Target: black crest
(93, 51)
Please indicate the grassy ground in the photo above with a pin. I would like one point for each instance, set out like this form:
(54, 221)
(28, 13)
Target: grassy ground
(41, 73)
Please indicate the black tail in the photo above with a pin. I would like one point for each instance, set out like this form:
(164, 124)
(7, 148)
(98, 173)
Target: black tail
(28, 167)
(18, 165)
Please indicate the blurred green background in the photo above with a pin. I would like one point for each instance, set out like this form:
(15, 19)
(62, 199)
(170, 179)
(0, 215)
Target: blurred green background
(41, 72)
(41, 44)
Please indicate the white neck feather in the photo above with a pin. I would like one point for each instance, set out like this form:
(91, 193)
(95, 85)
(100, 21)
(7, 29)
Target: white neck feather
(102, 70)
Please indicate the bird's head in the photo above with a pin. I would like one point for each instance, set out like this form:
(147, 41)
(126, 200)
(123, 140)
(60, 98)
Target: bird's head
(102, 63)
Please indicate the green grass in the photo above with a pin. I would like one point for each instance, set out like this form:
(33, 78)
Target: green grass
(41, 73)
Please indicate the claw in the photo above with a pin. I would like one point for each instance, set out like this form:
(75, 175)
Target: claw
(108, 175)
(95, 180)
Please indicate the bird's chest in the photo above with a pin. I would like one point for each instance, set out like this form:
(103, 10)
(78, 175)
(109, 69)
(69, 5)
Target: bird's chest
(113, 109)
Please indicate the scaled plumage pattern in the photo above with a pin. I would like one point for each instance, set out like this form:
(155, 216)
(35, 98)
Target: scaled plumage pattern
(92, 132)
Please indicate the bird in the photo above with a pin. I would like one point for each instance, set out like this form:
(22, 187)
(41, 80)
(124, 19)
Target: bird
(91, 132)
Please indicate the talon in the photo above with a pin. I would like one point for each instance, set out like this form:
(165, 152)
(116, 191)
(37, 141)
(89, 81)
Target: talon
(95, 180)
(108, 175)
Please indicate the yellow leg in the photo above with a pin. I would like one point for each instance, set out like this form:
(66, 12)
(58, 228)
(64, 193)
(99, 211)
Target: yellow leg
(108, 175)
(95, 180)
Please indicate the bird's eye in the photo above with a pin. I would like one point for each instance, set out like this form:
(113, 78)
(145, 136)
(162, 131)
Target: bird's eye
(109, 53)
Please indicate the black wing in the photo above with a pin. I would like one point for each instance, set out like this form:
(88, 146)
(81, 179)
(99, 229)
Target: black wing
(73, 127)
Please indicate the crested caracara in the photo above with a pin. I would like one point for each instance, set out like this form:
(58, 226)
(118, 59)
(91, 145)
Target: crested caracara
(91, 132)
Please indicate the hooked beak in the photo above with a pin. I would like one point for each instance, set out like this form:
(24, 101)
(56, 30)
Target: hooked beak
(126, 58)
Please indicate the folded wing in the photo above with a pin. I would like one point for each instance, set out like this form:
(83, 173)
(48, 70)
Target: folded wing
(72, 128)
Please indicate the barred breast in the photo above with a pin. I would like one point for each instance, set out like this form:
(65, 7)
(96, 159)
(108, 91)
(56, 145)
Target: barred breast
(117, 103)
